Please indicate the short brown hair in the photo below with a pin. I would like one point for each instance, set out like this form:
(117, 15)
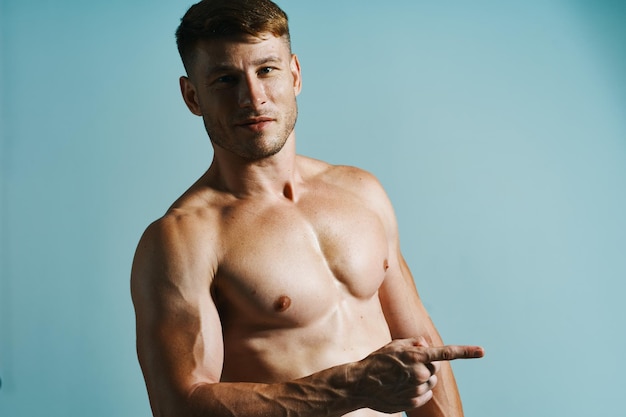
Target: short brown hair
(219, 19)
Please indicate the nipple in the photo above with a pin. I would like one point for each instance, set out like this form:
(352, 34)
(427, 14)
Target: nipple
(386, 265)
(282, 303)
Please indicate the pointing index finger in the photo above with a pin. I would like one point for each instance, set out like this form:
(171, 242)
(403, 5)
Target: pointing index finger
(451, 352)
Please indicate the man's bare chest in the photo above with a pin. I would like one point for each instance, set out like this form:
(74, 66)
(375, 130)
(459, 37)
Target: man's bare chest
(289, 264)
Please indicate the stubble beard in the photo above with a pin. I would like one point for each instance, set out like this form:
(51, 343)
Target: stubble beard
(259, 146)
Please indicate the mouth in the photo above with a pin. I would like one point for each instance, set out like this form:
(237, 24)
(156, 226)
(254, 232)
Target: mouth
(255, 123)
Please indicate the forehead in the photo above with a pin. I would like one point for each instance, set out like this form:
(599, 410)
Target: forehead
(240, 51)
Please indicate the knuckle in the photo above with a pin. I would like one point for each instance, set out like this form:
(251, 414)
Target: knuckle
(436, 367)
(422, 374)
(422, 399)
(446, 354)
(433, 381)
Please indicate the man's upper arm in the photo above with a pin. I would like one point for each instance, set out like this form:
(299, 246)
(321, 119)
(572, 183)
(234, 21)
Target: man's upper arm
(407, 317)
(179, 340)
(403, 309)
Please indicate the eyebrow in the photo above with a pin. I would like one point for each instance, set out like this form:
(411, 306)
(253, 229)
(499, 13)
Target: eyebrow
(228, 67)
(266, 60)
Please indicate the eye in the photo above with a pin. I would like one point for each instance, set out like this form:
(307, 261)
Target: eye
(266, 70)
(225, 79)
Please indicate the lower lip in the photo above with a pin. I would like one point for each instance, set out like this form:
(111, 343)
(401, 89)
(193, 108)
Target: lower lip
(257, 127)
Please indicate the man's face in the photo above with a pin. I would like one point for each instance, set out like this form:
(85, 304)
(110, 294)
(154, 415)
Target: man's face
(245, 90)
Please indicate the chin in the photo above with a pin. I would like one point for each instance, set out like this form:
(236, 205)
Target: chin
(261, 154)
(263, 150)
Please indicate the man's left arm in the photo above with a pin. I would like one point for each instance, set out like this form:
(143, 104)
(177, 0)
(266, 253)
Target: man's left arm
(407, 317)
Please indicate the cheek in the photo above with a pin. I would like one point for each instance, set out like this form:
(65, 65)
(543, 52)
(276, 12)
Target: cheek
(217, 109)
(215, 100)
(282, 90)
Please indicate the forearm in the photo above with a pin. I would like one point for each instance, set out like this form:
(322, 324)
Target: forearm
(324, 393)
(446, 401)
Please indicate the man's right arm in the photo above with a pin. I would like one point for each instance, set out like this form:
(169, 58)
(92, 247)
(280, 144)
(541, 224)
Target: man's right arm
(179, 337)
(180, 348)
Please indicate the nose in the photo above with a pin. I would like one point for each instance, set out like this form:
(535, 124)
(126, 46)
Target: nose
(251, 92)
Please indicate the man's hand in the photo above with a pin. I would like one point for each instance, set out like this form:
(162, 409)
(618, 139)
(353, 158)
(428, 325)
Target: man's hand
(400, 376)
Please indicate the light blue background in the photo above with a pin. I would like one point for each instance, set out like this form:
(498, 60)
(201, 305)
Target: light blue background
(498, 129)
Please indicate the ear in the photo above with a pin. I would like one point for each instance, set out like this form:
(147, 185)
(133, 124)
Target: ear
(297, 74)
(188, 91)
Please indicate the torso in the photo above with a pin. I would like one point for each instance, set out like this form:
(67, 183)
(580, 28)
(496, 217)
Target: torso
(297, 282)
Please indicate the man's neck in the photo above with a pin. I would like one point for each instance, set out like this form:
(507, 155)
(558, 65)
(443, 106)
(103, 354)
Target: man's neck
(277, 175)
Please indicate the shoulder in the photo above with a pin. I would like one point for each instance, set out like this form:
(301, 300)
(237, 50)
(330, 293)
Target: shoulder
(357, 183)
(357, 179)
(190, 226)
(177, 247)
(175, 232)
(350, 178)
(361, 183)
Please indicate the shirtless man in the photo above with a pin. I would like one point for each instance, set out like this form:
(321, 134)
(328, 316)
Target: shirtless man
(275, 286)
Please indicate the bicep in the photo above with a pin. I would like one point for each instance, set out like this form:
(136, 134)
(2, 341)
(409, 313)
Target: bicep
(407, 318)
(403, 309)
(400, 301)
(179, 341)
